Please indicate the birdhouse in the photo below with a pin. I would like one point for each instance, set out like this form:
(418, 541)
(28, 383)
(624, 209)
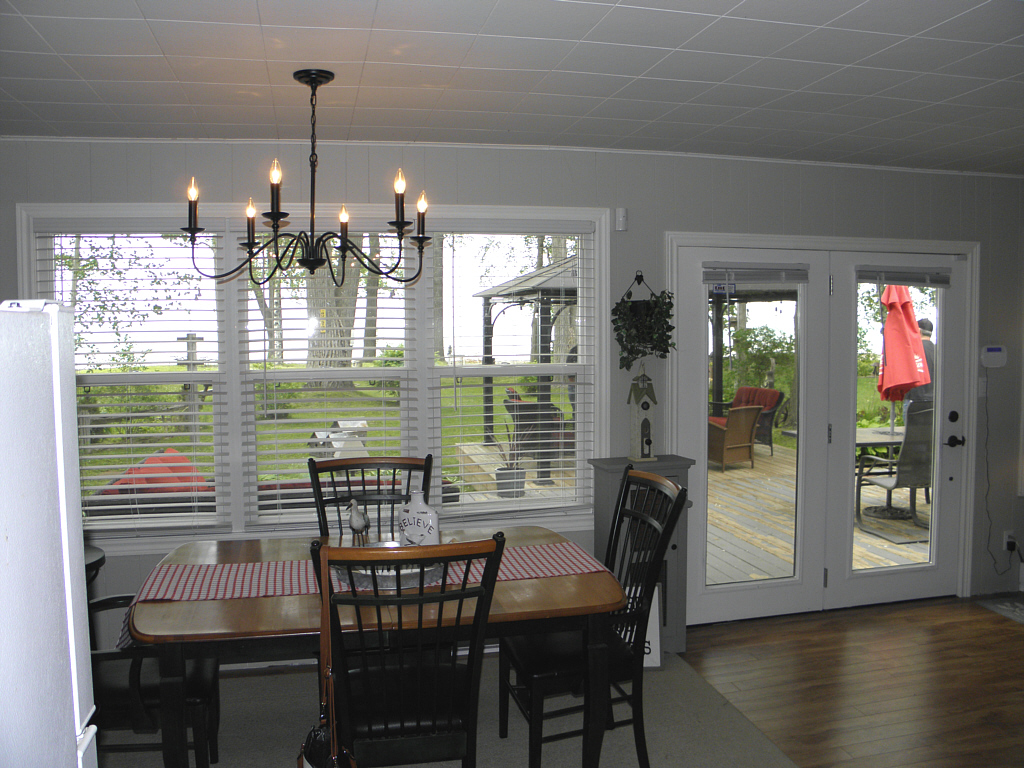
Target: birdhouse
(641, 403)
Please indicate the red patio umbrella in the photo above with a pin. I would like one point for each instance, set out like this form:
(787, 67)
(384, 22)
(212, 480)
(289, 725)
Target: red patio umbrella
(903, 364)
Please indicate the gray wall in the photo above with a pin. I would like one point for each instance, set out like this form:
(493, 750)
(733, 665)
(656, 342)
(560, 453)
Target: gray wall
(662, 193)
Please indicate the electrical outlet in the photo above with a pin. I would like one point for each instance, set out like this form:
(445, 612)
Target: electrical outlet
(1009, 542)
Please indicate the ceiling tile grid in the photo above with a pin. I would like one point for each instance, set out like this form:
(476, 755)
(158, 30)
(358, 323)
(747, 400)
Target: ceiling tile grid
(935, 85)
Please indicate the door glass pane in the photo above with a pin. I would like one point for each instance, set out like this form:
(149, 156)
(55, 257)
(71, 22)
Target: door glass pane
(895, 445)
(752, 447)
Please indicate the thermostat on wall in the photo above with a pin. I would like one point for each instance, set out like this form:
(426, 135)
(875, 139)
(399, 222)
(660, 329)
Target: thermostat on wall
(993, 356)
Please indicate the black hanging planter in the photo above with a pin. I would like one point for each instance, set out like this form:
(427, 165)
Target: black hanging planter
(643, 326)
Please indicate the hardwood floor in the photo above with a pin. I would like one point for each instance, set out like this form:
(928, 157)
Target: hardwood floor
(936, 683)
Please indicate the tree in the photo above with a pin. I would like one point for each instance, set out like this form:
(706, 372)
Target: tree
(115, 284)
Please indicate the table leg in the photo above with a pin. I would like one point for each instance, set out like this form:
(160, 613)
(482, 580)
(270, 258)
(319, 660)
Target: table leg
(596, 689)
(173, 733)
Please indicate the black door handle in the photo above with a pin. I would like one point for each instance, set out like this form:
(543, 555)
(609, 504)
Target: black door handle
(953, 441)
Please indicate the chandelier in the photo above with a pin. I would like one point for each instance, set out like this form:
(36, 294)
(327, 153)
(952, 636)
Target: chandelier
(307, 249)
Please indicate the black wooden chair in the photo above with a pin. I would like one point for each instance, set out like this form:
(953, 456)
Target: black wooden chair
(407, 647)
(126, 691)
(912, 468)
(646, 513)
(379, 485)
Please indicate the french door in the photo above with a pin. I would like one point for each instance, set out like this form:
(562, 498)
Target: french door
(774, 529)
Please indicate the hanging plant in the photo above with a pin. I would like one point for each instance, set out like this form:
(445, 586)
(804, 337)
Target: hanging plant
(643, 326)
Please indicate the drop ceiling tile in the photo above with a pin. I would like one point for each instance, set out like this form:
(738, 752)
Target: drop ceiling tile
(466, 78)
(836, 46)
(79, 9)
(783, 73)
(201, 69)
(225, 11)
(75, 113)
(52, 91)
(246, 131)
(398, 117)
(940, 114)
(214, 40)
(315, 45)
(426, 48)
(650, 89)
(235, 113)
(16, 34)
(600, 126)
(811, 12)
(625, 25)
(466, 16)
(738, 96)
(626, 109)
(401, 98)
(704, 114)
(33, 127)
(934, 87)
(992, 22)
(999, 94)
(581, 84)
(140, 93)
(339, 14)
(810, 101)
(556, 105)
(543, 19)
(227, 93)
(465, 120)
(701, 66)
(490, 52)
(745, 36)
(901, 18)
(606, 59)
(861, 81)
(773, 119)
(150, 69)
(539, 123)
(921, 55)
(997, 62)
(378, 75)
(879, 107)
(158, 113)
(457, 99)
(114, 37)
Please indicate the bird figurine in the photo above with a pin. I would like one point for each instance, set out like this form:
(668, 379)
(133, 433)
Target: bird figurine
(359, 522)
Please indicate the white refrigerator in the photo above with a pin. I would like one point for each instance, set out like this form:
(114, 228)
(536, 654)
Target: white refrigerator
(45, 673)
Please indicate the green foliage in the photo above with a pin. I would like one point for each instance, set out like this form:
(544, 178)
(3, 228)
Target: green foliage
(389, 357)
(643, 327)
(754, 349)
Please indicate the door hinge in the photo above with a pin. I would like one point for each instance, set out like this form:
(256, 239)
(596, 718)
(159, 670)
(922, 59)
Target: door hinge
(826, 579)
(830, 285)
(830, 434)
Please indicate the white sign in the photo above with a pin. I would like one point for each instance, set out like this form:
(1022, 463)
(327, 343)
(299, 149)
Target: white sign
(652, 648)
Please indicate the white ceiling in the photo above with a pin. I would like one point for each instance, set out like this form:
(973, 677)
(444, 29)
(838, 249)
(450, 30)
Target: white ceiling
(935, 84)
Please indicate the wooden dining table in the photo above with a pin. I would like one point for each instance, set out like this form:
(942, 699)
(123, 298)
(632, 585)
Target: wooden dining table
(286, 626)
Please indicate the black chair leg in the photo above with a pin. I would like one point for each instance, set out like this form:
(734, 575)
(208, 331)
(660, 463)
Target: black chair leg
(536, 724)
(200, 736)
(636, 701)
(214, 721)
(504, 681)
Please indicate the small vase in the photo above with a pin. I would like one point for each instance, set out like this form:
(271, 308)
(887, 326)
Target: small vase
(418, 523)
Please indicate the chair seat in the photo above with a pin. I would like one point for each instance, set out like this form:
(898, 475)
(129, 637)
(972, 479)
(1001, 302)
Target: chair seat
(113, 676)
(402, 708)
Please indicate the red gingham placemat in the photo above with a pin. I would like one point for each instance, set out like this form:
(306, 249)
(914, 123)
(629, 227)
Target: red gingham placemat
(224, 581)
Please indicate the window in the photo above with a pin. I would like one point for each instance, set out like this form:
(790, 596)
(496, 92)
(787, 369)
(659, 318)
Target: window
(200, 402)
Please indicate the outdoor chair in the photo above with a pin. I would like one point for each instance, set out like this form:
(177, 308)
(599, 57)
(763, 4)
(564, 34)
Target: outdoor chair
(646, 512)
(770, 401)
(379, 485)
(734, 440)
(126, 691)
(407, 646)
(912, 467)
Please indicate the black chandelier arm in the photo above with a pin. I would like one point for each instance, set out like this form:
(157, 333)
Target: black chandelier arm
(348, 247)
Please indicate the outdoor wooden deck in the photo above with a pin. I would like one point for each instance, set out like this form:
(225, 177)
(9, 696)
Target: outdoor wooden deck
(751, 522)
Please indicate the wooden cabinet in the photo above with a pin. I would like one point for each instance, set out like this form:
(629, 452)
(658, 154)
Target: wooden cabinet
(607, 477)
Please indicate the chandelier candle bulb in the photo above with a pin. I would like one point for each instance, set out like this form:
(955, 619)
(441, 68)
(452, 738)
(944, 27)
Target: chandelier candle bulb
(421, 213)
(193, 204)
(343, 225)
(275, 186)
(250, 222)
(399, 197)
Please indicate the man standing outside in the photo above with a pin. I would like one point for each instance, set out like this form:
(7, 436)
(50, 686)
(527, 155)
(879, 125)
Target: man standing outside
(925, 392)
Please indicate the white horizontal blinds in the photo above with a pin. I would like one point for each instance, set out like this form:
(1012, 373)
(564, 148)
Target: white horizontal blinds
(513, 383)
(327, 375)
(723, 275)
(937, 278)
(146, 349)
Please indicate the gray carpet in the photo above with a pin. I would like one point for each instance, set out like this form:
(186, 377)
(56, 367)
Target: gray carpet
(265, 717)
(1010, 606)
